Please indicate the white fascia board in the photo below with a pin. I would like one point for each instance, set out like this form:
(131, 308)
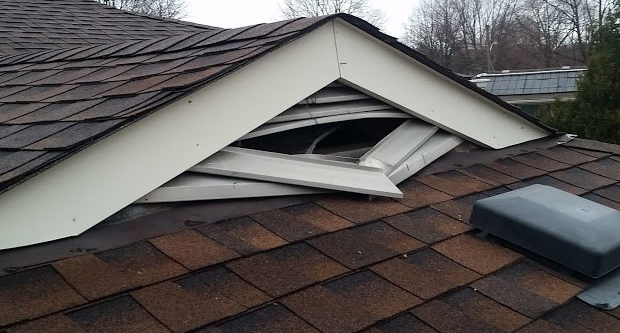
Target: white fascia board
(192, 186)
(315, 111)
(393, 77)
(392, 150)
(439, 144)
(296, 170)
(83, 190)
(289, 125)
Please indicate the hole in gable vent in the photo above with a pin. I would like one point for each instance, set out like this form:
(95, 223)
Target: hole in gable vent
(340, 137)
(337, 139)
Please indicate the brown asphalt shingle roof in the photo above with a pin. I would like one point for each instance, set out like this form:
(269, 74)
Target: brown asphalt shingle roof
(334, 263)
(29, 25)
(399, 269)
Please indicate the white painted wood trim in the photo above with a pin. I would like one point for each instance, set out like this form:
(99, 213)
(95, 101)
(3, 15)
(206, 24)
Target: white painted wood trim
(298, 170)
(83, 190)
(393, 77)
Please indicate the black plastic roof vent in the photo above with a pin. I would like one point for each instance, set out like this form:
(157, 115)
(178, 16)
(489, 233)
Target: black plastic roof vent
(568, 229)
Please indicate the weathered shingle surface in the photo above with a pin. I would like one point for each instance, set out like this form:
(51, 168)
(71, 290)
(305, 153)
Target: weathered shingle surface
(335, 263)
(526, 83)
(30, 25)
(53, 103)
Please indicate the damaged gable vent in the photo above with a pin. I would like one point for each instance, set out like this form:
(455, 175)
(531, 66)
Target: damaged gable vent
(578, 233)
(338, 139)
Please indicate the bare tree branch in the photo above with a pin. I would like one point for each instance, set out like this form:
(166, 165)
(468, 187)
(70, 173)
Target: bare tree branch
(176, 9)
(314, 8)
(459, 34)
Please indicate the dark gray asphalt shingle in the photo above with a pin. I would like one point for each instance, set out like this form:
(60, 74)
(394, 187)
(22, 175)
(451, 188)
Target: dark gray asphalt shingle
(557, 81)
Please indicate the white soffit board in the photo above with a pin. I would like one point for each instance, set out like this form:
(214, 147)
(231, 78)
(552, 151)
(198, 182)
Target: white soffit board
(392, 150)
(193, 186)
(295, 170)
(83, 190)
(301, 112)
(289, 125)
(391, 76)
(439, 144)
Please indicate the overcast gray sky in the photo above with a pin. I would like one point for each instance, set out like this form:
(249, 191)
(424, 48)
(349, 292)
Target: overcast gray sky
(238, 13)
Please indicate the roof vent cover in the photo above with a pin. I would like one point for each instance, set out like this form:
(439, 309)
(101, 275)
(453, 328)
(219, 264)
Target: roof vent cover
(568, 229)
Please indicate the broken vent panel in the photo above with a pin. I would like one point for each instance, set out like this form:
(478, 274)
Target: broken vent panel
(337, 139)
(321, 138)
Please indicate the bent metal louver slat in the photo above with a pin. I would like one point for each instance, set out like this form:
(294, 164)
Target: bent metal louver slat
(236, 172)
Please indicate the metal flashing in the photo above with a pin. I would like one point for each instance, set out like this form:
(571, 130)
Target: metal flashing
(605, 293)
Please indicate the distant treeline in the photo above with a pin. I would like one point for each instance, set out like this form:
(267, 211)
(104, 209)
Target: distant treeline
(473, 36)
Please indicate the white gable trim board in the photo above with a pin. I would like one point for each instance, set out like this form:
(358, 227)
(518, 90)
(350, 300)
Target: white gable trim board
(81, 191)
(412, 87)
